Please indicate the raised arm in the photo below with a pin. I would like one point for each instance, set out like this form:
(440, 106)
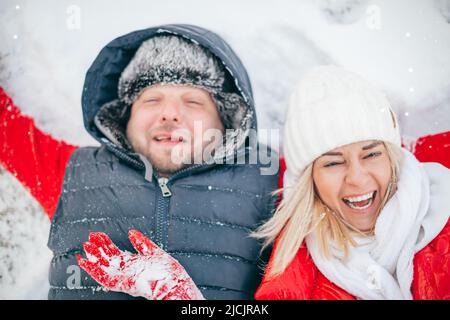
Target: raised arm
(35, 158)
(433, 148)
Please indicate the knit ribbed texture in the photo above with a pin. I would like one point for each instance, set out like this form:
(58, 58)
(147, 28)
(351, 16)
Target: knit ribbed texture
(331, 107)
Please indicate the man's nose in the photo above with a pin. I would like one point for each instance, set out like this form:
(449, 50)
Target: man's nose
(171, 111)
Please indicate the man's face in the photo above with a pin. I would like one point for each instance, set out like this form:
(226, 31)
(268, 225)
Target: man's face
(162, 121)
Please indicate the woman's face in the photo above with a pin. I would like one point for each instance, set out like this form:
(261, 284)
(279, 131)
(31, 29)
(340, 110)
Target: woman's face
(352, 180)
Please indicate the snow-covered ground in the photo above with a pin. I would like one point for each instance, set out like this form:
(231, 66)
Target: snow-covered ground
(24, 256)
(46, 47)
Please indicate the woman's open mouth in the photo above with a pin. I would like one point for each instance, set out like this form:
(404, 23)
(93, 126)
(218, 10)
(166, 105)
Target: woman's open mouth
(360, 202)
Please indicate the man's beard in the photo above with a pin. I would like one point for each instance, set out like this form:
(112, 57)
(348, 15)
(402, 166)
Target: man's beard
(164, 165)
(161, 160)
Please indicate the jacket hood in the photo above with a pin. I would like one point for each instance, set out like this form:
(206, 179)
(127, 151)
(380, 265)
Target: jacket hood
(101, 113)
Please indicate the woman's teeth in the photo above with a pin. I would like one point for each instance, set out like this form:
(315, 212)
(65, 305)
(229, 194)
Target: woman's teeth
(361, 202)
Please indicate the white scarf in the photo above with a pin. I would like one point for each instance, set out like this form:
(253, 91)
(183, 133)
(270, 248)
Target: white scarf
(381, 267)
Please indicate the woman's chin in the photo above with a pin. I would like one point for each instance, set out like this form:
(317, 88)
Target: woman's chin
(361, 219)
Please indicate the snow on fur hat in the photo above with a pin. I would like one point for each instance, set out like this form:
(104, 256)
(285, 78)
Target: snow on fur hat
(175, 60)
(331, 107)
(170, 60)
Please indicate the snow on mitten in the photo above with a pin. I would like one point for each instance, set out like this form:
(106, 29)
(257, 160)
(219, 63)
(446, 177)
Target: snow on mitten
(152, 273)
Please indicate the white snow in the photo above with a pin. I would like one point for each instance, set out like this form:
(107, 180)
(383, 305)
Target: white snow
(24, 255)
(403, 46)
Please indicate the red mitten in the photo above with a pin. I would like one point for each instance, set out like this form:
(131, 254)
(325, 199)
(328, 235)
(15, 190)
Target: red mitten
(152, 273)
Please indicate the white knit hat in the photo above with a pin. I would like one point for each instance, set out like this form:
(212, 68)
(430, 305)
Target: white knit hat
(331, 107)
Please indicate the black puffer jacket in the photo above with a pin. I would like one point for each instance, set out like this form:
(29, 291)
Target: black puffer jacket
(205, 220)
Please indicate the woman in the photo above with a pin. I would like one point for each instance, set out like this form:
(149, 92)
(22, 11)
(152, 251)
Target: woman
(360, 217)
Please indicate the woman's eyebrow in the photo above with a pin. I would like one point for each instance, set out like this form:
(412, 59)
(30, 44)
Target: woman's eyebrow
(372, 145)
(331, 153)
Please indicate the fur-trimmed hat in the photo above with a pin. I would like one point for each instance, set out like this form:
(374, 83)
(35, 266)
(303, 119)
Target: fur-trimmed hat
(170, 60)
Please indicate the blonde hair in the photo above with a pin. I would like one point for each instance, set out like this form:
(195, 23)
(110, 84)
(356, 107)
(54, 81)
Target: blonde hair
(303, 212)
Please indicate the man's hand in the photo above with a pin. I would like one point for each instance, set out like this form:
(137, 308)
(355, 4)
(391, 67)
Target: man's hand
(152, 273)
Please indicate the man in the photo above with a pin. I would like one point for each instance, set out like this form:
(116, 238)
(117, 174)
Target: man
(150, 98)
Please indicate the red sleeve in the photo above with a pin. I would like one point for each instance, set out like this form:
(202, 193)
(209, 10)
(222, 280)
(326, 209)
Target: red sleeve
(434, 148)
(36, 159)
(296, 282)
(282, 170)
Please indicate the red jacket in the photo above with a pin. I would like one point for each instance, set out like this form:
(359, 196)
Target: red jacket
(431, 279)
(39, 161)
(36, 159)
(303, 281)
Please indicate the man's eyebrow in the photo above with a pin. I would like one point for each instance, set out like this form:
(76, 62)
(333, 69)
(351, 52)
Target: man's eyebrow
(372, 145)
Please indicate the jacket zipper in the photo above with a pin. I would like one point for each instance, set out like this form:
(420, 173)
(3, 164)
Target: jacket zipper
(162, 207)
(164, 188)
